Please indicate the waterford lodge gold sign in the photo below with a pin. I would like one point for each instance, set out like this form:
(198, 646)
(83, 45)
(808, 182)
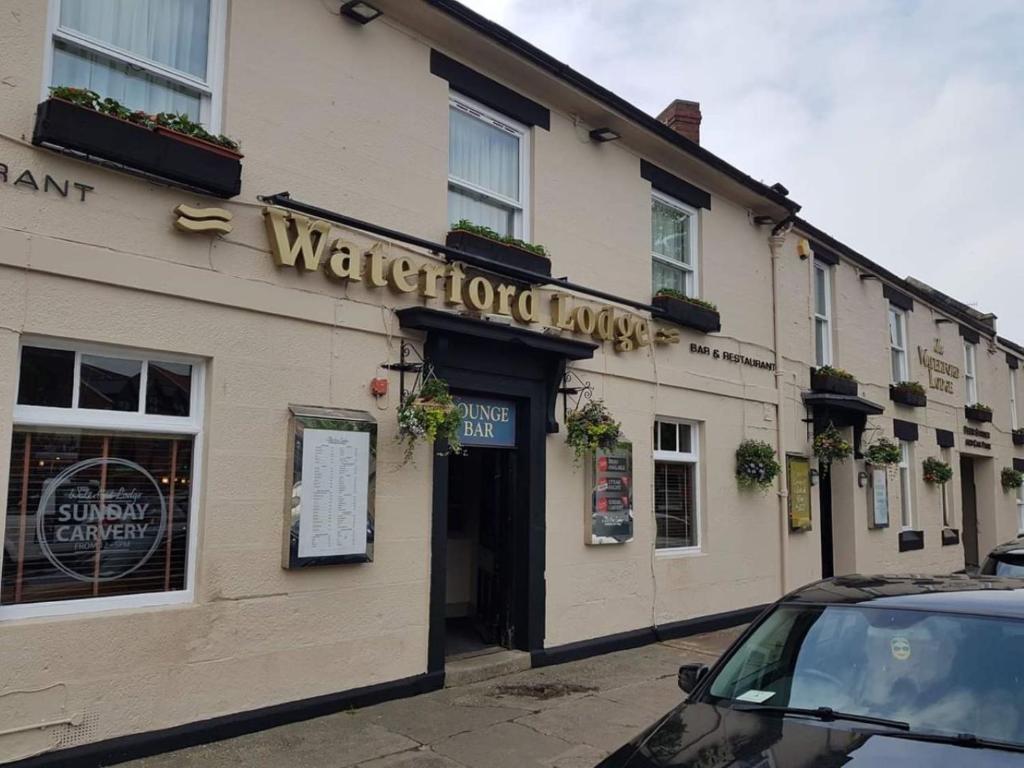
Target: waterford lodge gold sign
(304, 243)
(940, 373)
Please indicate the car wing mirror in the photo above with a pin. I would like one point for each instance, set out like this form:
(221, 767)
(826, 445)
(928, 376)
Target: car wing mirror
(690, 676)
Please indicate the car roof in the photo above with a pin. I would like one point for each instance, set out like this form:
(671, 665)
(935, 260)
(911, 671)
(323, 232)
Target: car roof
(1016, 546)
(956, 593)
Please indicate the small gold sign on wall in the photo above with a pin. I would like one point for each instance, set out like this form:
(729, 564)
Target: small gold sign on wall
(195, 219)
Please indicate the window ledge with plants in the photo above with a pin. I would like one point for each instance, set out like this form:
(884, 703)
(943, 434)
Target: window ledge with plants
(170, 147)
(1018, 436)
(833, 381)
(678, 308)
(486, 243)
(909, 393)
(978, 412)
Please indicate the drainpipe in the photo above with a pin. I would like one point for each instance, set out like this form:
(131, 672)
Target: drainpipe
(775, 242)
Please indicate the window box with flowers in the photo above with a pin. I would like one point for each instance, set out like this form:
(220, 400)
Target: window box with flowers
(170, 147)
(678, 308)
(486, 243)
(833, 381)
(1018, 436)
(909, 393)
(978, 412)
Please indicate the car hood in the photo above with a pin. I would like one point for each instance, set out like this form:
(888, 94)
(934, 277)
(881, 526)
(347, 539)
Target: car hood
(705, 736)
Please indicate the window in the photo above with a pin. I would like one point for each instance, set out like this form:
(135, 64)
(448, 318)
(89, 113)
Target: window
(104, 456)
(673, 245)
(898, 344)
(906, 487)
(1014, 418)
(970, 373)
(487, 161)
(153, 55)
(822, 314)
(947, 509)
(1020, 511)
(676, 501)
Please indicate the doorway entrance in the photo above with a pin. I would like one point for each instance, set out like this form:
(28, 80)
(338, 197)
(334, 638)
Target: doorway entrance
(481, 584)
(828, 554)
(969, 499)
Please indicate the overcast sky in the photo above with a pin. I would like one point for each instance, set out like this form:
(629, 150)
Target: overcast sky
(899, 126)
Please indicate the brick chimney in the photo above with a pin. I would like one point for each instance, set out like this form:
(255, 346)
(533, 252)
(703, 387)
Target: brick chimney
(683, 117)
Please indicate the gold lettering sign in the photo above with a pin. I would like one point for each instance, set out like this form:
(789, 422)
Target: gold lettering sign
(798, 480)
(301, 242)
(940, 373)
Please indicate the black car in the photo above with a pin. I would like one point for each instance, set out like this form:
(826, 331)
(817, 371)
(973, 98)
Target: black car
(858, 671)
(1005, 560)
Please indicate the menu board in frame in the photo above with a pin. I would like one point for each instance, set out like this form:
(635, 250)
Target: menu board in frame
(609, 516)
(329, 513)
(798, 478)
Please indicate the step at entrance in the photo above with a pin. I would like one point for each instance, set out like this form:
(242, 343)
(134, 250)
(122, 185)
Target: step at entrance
(474, 667)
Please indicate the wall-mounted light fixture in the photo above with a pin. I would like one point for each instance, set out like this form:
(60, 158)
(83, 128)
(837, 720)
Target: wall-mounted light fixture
(602, 135)
(862, 479)
(359, 11)
(813, 477)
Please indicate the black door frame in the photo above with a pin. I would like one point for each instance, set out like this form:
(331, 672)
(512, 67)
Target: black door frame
(969, 500)
(477, 356)
(828, 548)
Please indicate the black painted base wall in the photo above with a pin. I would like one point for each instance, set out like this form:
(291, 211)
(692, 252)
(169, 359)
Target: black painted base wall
(113, 751)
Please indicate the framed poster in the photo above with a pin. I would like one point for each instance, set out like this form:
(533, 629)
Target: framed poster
(609, 516)
(879, 505)
(798, 482)
(328, 516)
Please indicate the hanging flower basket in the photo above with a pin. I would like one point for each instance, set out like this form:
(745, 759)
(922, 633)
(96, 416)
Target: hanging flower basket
(428, 415)
(883, 452)
(592, 428)
(756, 466)
(936, 472)
(1012, 478)
(829, 446)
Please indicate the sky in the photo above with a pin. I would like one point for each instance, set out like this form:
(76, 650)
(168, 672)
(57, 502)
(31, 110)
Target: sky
(897, 125)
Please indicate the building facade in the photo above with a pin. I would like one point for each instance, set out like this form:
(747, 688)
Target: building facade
(186, 362)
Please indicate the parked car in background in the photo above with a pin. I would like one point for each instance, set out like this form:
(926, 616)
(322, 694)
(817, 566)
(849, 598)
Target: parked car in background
(1005, 560)
(857, 671)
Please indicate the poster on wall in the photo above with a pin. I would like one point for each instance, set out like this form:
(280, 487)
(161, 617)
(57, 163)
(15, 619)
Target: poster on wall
(609, 517)
(798, 479)
(879, 498)
(332, 473)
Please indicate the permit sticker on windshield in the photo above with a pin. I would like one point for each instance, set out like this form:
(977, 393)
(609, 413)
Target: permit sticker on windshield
(755, 696)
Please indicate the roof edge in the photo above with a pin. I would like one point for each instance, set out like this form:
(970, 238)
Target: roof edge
(564, 72)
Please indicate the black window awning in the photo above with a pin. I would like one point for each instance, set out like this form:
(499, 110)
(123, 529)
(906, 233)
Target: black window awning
(829, 409)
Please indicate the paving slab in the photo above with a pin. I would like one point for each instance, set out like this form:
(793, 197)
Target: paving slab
(423, 757)
(505, 745)
(591, 721)
(429, 719)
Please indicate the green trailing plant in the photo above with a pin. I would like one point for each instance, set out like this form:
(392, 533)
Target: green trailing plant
(883, 452)
(672, 293)
(829, 446)
(183, 124)
(1018, 432)
(936, 472)
(428, 415)
(756, 465)
(838, 373)
(591, 428)
(982, 407)
(465, 225)
(913, 387)
(1012, 478)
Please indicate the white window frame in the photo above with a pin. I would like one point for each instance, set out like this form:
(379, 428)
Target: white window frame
(682, 457)
(692, 242)
(971, 373)
(476, 110)
(901, 319)
(211, 90)
(1014, 418)
(906, 477)
(87, 418)
(825, 319)
(1020, 511)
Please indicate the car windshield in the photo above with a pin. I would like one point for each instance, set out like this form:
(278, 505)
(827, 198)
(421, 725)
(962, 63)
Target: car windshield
(1005, 564)
(940, 673)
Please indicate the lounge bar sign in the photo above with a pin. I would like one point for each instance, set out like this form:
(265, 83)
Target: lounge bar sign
(302, 242)
(487, 423)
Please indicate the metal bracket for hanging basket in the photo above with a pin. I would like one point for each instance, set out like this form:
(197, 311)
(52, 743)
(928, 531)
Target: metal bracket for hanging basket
(576, 388)
(409, 361)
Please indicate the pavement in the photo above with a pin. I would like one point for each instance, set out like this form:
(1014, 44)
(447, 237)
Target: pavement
(565, 716)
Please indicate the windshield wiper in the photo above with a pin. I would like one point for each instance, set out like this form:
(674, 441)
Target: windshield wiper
(960, 740)
(827, 714)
